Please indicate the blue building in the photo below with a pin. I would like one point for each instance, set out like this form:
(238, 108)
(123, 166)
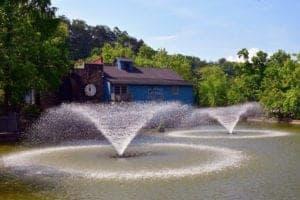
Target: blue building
(125, 82)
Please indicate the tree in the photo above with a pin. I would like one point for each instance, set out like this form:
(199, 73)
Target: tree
(181, 65)
(33, 47)
(83, 38)
(259, 64)
(110, 52)
(79, 40)
(212, 87)
(243, 53)
(96, 51)
(281, 86)
(247, 77)
(161, 59)
(145, 56)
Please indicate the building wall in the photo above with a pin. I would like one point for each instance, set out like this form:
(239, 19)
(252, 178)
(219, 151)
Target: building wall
(91, 74)
(184, 94)
(161, 92)
(73, 87)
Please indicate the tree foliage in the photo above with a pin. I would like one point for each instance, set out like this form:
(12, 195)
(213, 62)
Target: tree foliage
(281, 85)
(33, 48)
(110, 52)
(212, 86)
(83, 38)
(274, 81)
(147, 57)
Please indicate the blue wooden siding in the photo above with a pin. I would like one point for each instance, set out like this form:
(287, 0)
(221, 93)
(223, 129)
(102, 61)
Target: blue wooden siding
(161, 92)
(183, 94)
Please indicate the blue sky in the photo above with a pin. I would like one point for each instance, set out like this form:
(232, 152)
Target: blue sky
(209, 29)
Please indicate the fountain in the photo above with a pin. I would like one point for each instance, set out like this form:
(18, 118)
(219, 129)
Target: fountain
(228, 117)
(112, 151)
(118, 123)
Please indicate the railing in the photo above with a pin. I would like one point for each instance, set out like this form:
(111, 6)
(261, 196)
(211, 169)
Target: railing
(9, 123)
(121, 97)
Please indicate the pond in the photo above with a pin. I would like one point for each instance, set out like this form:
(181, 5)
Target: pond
(264, 167)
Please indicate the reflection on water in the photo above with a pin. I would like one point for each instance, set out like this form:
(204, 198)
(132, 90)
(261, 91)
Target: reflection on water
(272, 172)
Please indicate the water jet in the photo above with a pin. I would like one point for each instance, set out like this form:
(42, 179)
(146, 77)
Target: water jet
(75, 158)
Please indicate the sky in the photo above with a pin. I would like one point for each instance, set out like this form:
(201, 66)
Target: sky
(208, 29)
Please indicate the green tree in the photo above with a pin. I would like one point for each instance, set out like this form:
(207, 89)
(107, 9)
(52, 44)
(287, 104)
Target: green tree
(238, 91)
(181, 65)
(33, 47)
(110, 52)
(96, 51)
(83, 38)
(161, 59)
(243, 53)
(212, 87)
(281, 86)
(79, 40)
(247, 77)
(259, 64)
(123, 51)
(145, 56)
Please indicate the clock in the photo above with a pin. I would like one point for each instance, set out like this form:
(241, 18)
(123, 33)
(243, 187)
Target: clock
(90, 90)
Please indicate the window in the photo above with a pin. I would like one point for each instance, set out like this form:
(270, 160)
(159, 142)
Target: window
(175, 90)
(155, 93)
(117, 89)
(123, 89)
(125, 65)
(120, 89)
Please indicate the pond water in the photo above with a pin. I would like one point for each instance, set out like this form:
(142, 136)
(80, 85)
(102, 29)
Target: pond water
(258, 165)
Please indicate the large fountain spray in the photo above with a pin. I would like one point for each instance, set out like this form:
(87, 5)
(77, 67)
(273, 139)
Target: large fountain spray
(74, 160)
(118, 123)
(148, 157)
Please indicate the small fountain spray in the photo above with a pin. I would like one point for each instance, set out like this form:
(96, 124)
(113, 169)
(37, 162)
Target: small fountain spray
(229, 116)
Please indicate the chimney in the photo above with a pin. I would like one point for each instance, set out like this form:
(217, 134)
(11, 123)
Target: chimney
(98, 61)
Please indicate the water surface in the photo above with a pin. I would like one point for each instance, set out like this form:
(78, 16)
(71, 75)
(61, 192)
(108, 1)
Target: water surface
(271, 171)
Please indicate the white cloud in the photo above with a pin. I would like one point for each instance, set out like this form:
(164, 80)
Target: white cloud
(164, 37)
(186, 33)
(252, 53)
